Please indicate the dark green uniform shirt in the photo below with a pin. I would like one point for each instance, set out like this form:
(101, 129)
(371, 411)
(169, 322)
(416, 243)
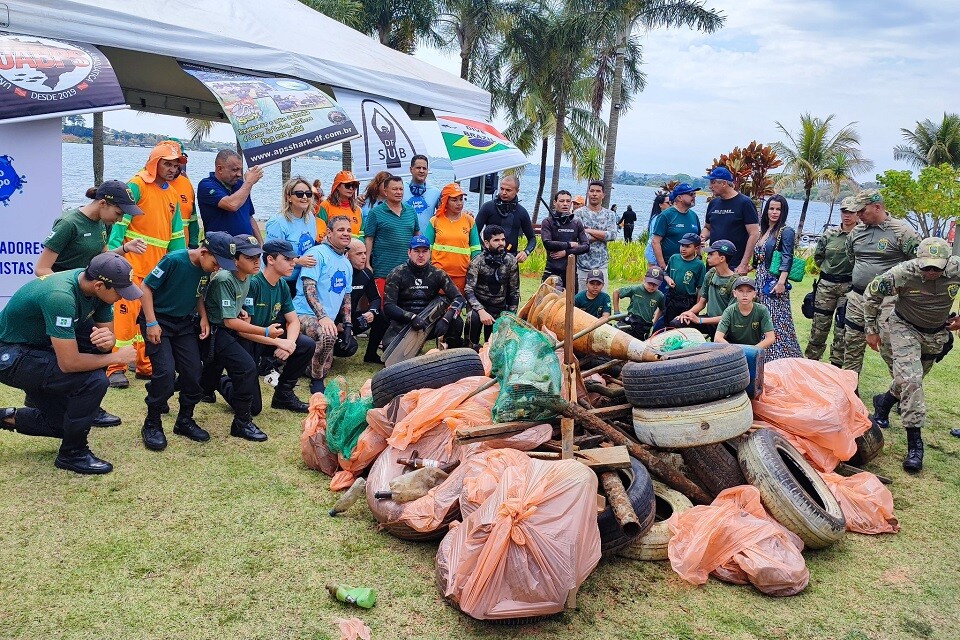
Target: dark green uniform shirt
(921, 302)
(596, 307)
(830, 254)
(76, 239)
(878, 247)
(265, 303)
(391, 236)
(226, 296)
(177, 284)
(643, 304)
(718, 290)
(687, 274)
(745, 329)
(50, 307)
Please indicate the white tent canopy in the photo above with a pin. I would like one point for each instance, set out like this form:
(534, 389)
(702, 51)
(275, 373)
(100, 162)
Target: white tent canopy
(144, 41)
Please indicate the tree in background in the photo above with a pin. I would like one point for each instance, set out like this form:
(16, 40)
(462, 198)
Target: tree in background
(931, 143)
(399, 24)
(838, 173)
(807, 152)
(750, 167)
(928, 202)
(473, 29)
(588, 166)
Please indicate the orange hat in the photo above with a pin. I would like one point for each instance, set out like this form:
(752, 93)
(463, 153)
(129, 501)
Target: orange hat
(578, 200)
(166, 150)
(452, 190)
(344, 177)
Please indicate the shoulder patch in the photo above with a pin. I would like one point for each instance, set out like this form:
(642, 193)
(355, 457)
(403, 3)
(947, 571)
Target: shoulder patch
(64, 322)
(157, 272)
(953, 289)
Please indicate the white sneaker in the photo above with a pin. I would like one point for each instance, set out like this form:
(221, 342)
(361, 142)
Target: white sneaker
(272, 378)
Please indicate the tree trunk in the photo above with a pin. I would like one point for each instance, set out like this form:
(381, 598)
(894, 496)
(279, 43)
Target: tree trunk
(286, 168)
(830, 217)
(803, 212)
(98, 149)
(346, 156)
(543, 180)
(613, 124)
(558, 150)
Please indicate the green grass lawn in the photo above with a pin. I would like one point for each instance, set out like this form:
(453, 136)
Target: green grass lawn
(231, 539)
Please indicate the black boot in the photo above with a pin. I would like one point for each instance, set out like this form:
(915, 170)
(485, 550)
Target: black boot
(243, 426)
(82, 460)
(152, 432)
(285, 398)
(955, 433)
(914, 460)
(105, 419)
(186, 426)
(882, 403)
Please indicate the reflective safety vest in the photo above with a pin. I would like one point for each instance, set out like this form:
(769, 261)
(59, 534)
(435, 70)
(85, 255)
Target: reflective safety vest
(188, 209)
(160, 226)
(451, 244)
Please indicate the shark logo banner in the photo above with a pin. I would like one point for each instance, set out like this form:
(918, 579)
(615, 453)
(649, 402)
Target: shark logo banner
(476, 147)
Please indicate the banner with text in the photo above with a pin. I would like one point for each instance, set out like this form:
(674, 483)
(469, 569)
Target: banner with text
(476, 147)
(45, 78)
(389, 138)
(276, 118)
(30, 201)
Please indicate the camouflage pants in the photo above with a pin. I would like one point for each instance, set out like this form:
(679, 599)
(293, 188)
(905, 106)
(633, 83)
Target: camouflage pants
(830, 297)
(913, 357)
(854, 338)
(323, 354)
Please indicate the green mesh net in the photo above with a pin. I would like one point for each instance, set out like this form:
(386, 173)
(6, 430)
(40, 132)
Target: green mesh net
(526, 366)
(346, 420)
(675, 343)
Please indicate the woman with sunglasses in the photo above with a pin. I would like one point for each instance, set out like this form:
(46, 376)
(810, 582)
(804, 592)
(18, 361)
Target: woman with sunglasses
(295, 225)
(342, 201)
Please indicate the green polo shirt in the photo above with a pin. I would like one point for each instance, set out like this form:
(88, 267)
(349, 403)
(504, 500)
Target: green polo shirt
(718, 290)
(596, 306)
(391, 235)
(76, 239)
(225, 297)
(266, 302)
(687, 274)
(177, 284)
(745, 329)
(643, 304)
(50, 307)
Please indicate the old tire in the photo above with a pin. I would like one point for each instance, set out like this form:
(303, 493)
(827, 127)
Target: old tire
(791, 490)
(689, 376)
(652, 545)
(714, 466)
(640, 491)
(694, 426)
(869, 446)
(430, 371)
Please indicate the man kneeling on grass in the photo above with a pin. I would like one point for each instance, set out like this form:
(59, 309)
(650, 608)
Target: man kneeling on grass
(746, 322)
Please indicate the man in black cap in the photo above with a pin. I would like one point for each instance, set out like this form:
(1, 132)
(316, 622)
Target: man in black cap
(39, 354)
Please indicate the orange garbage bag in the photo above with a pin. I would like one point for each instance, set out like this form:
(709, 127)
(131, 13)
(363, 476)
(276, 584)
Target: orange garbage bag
(867, 505)
(485, 357)
(353, 629)
(423, 409)
(313, 439)
(815, 402)
(482, 475)
(735, 539)
(528, 545)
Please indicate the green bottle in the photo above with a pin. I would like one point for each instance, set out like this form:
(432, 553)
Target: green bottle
(360, 596)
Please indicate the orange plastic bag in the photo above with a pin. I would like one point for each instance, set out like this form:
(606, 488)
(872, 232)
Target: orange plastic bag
(482, 475)
(816, 402)
(527, 546)
(313, 439)
(867, 505)
(485, 357)
(423, 409)
(353, 629)
(735, 539)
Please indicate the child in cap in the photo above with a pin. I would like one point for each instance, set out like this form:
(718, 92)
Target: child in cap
(685, 275)
(646, 303)
(594, 300)
(747, 321)
(716, 293)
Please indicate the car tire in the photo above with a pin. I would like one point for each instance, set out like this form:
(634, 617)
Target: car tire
(430, 371)
(694, 426)
(639, 488)
(652, 546)
(687, 377)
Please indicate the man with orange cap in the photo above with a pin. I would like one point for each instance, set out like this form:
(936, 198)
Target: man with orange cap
(188, 209)
(161, 227)
(342, 201)
(453, 235)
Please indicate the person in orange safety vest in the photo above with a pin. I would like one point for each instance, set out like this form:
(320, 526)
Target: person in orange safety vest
(453, 235)
(342, 201)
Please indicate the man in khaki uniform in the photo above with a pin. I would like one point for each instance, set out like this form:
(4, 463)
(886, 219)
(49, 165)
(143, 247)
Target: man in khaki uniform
(875, 245)
(832, 286)
(917, 330)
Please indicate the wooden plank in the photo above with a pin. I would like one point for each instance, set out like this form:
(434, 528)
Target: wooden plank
(544, 455)
(490, 431)
(605, 458)
(587, 441)
(617, 410)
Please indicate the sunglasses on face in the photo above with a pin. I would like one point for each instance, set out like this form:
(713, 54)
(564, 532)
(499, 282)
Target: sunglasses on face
(930, 269)
(303, 194)
(349, 185)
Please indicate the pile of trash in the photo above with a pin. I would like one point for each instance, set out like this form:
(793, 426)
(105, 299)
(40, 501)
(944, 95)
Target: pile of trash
(528, 470)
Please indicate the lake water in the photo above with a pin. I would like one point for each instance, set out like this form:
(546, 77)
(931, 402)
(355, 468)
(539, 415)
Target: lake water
(123, 162)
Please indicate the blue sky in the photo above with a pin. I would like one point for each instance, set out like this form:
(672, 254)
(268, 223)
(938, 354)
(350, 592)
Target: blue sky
(881, 65)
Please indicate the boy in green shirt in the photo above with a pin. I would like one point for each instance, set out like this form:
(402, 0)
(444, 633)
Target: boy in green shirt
(172, 299)
(646, 303)
(716, 294)
(594, 300)
(746, 322)
(685, 275)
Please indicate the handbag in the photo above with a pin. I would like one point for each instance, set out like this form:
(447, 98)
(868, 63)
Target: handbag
(798, 268)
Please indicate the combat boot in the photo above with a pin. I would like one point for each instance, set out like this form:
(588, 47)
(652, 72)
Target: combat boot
(285, 398)
(152, 431)
(882, 403)
(914, 460)
(187, 427)
(243, 426)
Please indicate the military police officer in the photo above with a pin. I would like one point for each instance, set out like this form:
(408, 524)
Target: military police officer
(878, 243)
(832, 286)
(917, 331)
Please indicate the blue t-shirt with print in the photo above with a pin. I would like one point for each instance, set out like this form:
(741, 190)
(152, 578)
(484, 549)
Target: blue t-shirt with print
(299, 232)
(333, 274)
(424, 201)
(671, 226)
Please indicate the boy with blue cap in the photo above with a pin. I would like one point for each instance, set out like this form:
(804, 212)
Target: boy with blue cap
(684, 277)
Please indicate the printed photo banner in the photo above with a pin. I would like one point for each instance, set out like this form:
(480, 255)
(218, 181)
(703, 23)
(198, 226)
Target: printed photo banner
(276, 119)
(389, 138)
(475, 147)
(47, 78)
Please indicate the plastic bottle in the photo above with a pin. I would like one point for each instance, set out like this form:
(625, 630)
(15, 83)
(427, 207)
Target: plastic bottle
(361, 596)
(357, 489)
(416, 462)
(413, 485)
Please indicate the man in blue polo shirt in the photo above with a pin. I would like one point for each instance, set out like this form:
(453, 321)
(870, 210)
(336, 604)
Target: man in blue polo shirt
(674, 223)
(731, 216)
(224, 197)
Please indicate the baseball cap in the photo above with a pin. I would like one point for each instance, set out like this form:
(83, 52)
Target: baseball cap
(933, 252)
(113, 270)
(745, 281)
(724, 248)
(595, 275)
(277, 246)
(578, 200)
(681, 189)
(247, 245)
(118, 193)
(863, 199)
(223, 247)
(720, 173)
(418, 241)
(690, 238)
(847, 203)
(654, 275)
(170, 150)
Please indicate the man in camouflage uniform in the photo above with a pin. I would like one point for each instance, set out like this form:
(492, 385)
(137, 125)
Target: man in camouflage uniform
(917, 331)
(875, 245)
(832, 286)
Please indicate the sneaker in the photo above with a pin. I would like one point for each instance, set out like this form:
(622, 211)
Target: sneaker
(118, 380)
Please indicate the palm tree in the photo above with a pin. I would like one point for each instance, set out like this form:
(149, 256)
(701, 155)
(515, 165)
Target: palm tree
(399, 24)
(588, 165)
(807, 153)
(472, 28)
(931, 144)
(838, 172)
(98, 148)
(345, 11)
